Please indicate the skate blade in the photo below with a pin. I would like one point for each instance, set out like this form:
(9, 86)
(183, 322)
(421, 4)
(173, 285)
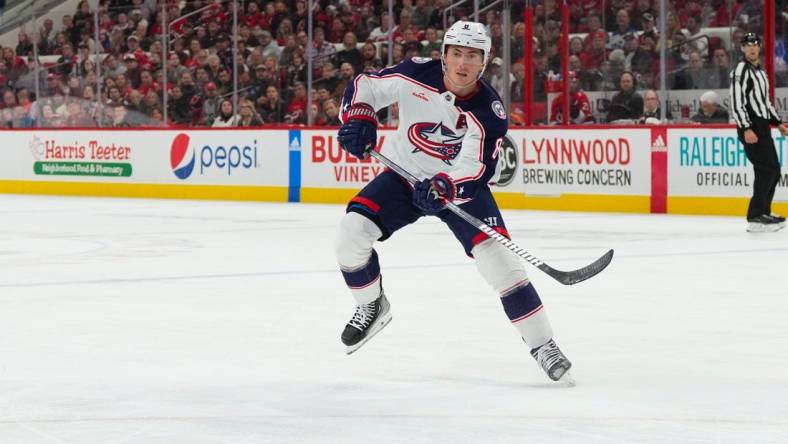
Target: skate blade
(567, 379)
(372, 332)
(761, 228)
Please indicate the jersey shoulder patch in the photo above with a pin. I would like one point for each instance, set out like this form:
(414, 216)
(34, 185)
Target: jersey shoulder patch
(498, 109)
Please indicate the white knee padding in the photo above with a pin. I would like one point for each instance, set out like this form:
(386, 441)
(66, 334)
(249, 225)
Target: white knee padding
(500, 267)
(353, 244)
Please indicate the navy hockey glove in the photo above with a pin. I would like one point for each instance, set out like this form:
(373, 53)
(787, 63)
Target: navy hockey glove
(431, 195)
(359, 134)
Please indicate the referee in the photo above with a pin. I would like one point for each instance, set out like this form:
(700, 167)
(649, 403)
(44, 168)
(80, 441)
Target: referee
(754, 113)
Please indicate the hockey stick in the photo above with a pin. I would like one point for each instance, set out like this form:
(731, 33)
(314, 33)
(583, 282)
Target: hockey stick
(564, 277)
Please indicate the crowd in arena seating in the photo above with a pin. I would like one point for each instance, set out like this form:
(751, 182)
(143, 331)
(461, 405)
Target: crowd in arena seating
(124, 86)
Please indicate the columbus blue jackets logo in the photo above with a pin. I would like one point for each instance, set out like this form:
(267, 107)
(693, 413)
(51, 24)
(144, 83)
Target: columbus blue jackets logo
(436, 140)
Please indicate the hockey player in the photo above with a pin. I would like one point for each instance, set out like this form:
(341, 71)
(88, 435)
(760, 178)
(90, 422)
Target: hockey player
(450, 130)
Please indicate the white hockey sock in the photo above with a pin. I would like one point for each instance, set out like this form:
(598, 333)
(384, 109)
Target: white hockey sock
(357, 260)
(503, 270)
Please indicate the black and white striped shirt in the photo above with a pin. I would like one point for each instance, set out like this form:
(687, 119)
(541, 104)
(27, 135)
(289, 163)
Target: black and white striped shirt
(750, 95)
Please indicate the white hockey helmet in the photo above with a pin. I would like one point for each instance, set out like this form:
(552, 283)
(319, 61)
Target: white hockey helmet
(470, 34)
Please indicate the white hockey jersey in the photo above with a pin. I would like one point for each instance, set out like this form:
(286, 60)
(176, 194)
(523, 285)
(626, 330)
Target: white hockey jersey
(438, 131)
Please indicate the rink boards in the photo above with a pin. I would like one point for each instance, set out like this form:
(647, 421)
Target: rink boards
(681, 169)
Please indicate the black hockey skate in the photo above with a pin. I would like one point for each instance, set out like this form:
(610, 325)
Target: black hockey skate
(368, 320)
(553, 362)
(777, 218)
(764, 224)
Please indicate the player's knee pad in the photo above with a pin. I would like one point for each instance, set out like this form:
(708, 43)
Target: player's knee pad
(353, 244)
(500, 267)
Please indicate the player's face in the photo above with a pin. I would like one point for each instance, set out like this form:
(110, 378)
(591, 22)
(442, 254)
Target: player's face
(463, 65)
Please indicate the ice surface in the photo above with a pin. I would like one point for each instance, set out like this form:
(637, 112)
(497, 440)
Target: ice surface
(157, 321)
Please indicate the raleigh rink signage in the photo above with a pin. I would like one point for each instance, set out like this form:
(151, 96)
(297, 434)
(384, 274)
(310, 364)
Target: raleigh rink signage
(712, 162)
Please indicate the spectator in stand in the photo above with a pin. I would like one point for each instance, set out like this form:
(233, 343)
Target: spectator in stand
(323, 51)
(726, 10)
(576, 46)
(623, 27)
(75, 117)
(594, 24)
(649, 27)
(24, 46)
(268, 46)
(226, 118)
(248, 116)
(174, 69)
(346, 75)
(719, 75)
(273, 109)
(47, 36)
(147, 84)
(210, 104)
(262, 79)
(710, 110)
(630, 48)
(253, 16)
(188, 88)
(151, 100)
(331, 111)
(224, 82)
(53, 84)
(112, 67)
(179, 109)
(592, 59)
(66, 62)
(350, 53)
(135, 102)
(48, 117)
(421, 13)
(297, 71)
(9, 99)
(642, 8)
(495, 76)
(517, 44)
(289, 50)
(436, 18)
(296, 111)
(695, 36)
(381, 33)
(370, 61)
(397, 53)
(404, 24)
(694, 76)
(337, 31)
(518, 87)
(328, 79)
(652, 112)
(579, 105)
(432, 42)
(132, 71)
(645, 59)
(627, 104)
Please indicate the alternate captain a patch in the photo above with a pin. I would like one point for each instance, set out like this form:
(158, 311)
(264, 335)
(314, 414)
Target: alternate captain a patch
(436, 140)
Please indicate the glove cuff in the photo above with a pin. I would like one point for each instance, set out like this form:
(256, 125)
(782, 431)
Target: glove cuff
(361, 111)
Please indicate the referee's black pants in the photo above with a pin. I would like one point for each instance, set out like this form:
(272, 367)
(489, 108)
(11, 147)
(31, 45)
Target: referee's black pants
(763, 157)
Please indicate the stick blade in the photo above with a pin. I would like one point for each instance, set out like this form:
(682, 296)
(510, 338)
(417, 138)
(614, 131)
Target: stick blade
(581, 274)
